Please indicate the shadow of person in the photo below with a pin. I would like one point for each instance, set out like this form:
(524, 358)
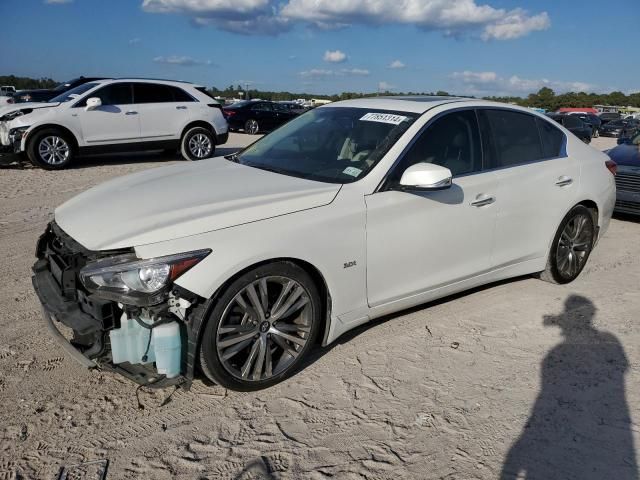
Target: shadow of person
(579, 427)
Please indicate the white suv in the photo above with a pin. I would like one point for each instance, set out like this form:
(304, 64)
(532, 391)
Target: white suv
(115, 115)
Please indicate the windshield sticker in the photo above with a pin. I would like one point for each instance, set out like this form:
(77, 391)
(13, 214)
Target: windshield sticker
(384, 118)
(352, 171)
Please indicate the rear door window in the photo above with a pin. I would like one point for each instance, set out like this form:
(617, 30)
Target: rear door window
(515, 137)
(151, 93)
(572, 122)
(180, 95)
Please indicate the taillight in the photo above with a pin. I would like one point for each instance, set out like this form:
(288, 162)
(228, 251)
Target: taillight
(229, 113)
(612, 167)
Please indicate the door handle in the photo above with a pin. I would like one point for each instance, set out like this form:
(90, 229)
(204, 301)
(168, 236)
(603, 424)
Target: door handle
(482, 200)
(131, 112)
(181, 107)
(563, 181)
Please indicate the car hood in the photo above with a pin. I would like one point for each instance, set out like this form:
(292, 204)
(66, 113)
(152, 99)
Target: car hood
(11, 109)
(626, 155)
(183, 200)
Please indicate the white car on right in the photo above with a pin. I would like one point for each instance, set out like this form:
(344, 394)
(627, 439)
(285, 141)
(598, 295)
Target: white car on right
(346, 213)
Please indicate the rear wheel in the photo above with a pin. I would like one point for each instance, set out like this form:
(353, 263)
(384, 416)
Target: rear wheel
(50, 149)
(571, 246)
(197, 143)
(251, 127)
(261, 328)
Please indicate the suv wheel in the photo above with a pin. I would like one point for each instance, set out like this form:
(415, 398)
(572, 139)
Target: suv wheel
(261, 328)
(251, 127)
(197, 144)
(571, 246)
(50, 149)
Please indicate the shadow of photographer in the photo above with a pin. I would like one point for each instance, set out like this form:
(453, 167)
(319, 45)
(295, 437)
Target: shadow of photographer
(580, 427)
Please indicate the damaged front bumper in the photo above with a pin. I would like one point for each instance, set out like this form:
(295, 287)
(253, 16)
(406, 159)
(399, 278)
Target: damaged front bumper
(65, 302)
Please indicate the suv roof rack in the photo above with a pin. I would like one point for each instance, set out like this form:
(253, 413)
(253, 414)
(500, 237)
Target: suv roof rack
(153, 79)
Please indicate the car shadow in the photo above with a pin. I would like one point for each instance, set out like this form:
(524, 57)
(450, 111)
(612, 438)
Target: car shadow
(580, 426)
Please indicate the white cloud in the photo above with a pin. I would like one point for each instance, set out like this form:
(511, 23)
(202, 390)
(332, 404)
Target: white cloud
(355, 71)
(516, 24)
(397, 64)
(449, 16)
(247, 17)
(452, 17)
(335, 56)
(134, 41)
(182, 61)
(490, 83)
(385, 87)
(318, 73)
(57, 2)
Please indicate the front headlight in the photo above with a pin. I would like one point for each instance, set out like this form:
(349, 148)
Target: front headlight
(128, 280)
(16, 134)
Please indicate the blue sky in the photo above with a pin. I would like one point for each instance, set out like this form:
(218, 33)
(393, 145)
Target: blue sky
(477, 47)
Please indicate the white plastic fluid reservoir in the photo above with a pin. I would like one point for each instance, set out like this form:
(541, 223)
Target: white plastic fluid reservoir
(167, 345)
(129, 342)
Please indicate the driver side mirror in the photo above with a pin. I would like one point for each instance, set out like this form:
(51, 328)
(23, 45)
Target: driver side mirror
(93, 103)
(427, 177)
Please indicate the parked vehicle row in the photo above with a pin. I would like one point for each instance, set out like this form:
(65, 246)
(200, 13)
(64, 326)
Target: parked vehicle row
(115, 115)
(255, 116)
(347, 213)
(584, 131)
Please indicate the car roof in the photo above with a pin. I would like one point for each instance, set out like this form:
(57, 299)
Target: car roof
(422, 103)
(147, 80)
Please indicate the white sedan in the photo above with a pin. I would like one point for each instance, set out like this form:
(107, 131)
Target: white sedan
(240, 265)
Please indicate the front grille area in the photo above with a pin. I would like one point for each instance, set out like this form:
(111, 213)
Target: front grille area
(628, 182)
(624, 206)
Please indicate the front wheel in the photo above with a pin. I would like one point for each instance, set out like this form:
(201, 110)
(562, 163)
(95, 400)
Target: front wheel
(50, 149)
(197, 144)
(571, 246)
(261, 328)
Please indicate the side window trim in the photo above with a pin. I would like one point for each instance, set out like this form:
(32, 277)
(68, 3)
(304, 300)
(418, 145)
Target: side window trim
(384, 183)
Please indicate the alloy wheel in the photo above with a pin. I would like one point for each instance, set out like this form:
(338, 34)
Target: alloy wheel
(574, 246)
(54, 150)
(200, 145)
(252, 127)
(264, 328)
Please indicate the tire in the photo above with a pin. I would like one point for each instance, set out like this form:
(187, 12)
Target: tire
(197, 144)
(565, 247)
(50, 149)
(243, 346)
(251, 127)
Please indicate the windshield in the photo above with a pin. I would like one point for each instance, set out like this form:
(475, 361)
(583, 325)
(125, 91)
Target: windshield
(73, 93)
(330, 144)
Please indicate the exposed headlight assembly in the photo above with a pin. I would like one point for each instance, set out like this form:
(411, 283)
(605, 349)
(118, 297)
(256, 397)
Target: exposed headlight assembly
(131, 281)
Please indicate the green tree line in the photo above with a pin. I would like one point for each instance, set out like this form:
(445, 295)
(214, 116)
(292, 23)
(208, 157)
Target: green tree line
(26, 83)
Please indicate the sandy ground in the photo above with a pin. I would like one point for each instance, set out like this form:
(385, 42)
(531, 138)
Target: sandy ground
(519, 375)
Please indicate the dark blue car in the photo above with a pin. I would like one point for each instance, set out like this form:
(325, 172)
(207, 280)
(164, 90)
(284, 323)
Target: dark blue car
(627, 156)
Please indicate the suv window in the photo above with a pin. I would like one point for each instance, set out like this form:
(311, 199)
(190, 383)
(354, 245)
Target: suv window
(151, 93)
(515, 137)
(114, 94)
(452, 141)
(552, 139)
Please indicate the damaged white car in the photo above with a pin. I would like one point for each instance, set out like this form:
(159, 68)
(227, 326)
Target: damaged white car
(239, 266)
